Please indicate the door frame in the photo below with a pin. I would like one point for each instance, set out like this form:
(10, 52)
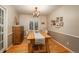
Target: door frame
(5, 26)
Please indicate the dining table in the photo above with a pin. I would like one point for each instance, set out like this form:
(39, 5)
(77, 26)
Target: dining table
(31, 40)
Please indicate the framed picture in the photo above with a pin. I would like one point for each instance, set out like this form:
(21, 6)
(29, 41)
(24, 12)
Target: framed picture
(61, 19)
(59, 22)
(57, 19)
(53, 22)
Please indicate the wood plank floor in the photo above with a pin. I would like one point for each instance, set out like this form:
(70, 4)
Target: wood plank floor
(55, 47)
(23, 48)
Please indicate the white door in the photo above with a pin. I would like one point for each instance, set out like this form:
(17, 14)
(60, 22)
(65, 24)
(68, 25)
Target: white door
(2, 29)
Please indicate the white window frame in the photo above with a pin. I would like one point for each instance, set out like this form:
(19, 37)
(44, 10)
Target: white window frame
(33, 20)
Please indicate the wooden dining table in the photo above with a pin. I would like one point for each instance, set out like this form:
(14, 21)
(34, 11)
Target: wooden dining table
(31, 40)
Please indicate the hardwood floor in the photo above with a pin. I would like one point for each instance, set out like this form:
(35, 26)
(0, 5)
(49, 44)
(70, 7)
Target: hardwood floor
(53, 47)
(21, 48)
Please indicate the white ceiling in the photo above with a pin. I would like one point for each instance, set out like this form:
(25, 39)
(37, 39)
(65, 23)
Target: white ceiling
(28, 9)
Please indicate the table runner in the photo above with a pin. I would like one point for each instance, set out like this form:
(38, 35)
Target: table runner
(39, 38)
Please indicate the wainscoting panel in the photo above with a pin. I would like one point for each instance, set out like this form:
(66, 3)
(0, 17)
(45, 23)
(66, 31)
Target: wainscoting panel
(9, 40)
(66, 40)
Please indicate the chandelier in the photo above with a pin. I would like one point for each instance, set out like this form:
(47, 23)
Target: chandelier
(36, 13)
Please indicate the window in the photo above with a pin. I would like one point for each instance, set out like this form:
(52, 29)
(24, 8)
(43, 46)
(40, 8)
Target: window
(36, 25)
(33, 25)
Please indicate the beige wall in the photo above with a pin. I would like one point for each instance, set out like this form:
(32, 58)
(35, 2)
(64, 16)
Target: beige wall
(70, 16)
(11, 14)
(24, 20)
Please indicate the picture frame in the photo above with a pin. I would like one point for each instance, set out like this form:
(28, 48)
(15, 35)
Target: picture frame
(57, 19)
(61, 18)
(59, 22)
(53, 22)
